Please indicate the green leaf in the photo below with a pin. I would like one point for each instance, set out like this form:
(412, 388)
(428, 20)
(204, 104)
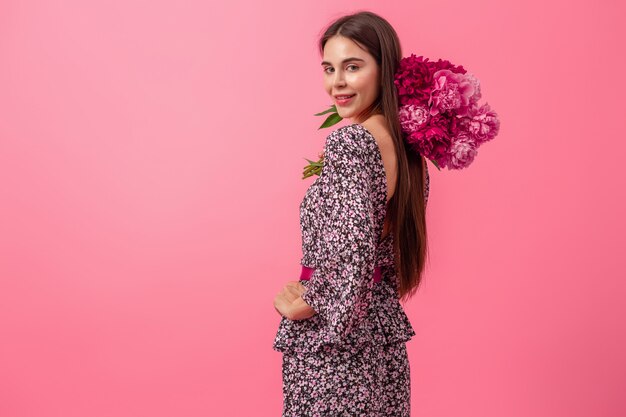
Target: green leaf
(435, 164)
(332, 108)
(315, 167)
(315, 163)
(334, 118)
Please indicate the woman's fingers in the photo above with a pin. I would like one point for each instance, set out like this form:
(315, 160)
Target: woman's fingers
(281, 304)
(291, 293)
(297, 286)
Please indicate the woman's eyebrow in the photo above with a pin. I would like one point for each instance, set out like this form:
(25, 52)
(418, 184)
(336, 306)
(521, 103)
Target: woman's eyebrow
(345, 60)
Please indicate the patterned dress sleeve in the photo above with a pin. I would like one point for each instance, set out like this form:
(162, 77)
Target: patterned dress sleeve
(340, 289)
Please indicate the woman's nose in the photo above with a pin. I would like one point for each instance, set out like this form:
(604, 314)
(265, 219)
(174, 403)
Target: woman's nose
(339, 81)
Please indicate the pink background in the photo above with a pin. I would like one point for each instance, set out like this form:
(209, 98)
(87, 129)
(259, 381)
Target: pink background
(151, 154)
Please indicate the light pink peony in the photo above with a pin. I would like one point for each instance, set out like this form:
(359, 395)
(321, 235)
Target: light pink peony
(462, 152)
(476, 83)
(413, 117)
(481, 123)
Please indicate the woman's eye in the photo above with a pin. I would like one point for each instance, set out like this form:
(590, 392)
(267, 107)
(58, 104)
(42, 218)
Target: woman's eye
(349, 66)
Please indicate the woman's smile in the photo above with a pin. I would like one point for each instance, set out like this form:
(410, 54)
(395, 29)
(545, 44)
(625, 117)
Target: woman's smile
(344, 100)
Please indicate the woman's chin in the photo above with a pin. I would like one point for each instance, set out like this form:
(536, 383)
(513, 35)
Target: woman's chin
(344, 114)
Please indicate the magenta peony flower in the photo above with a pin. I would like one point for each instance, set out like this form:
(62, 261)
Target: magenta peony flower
(448, 122)
(413, 80)
(481, 123)
(412, 117)
(445, 64)
(462, 152)
(450, 92)
(432, 142)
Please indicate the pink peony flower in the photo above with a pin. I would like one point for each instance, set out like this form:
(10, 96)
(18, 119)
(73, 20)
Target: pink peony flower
(412, 117)
(476, 83)
(462, 152)
(481, 123)
(450, 92)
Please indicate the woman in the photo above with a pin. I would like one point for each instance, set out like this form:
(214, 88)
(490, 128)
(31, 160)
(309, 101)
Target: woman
(343, 331)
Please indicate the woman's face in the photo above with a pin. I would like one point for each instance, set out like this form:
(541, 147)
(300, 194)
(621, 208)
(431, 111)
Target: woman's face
(350, 70)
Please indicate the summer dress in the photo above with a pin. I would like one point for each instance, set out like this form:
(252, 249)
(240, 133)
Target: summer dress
(350, 358)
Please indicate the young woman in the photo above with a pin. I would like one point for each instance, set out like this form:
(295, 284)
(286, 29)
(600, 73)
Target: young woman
(343, 331)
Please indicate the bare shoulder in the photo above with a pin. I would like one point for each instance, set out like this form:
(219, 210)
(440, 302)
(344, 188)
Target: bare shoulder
(377, 126)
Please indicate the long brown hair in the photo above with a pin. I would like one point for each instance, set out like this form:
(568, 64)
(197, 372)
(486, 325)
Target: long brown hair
(406, 209)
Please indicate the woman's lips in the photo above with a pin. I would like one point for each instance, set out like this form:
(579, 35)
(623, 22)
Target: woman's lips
(344, 101)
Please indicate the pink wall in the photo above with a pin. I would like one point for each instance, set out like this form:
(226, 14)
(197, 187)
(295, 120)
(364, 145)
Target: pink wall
(151, 155)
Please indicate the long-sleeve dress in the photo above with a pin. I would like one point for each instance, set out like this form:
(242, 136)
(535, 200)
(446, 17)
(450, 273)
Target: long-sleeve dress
(349, 359)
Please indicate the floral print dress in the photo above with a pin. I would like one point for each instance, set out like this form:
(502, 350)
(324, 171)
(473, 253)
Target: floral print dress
(350, 358)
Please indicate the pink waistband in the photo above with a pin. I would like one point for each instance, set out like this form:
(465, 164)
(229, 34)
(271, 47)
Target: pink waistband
(308, 271)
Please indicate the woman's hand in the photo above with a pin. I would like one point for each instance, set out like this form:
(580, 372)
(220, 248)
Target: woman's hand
(289, 304)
